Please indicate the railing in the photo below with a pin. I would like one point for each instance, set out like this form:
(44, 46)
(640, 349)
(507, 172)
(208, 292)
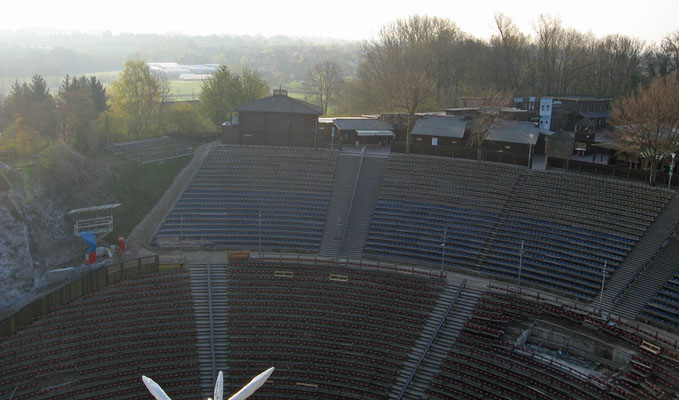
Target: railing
(354, 262)
(212, 329)
(631, 326)
(662, 177)
(646, 263)
(76, 288)
(431, 340)
(464, 152)
(353, 195)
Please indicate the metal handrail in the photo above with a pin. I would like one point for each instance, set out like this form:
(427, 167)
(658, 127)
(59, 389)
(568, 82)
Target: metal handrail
(645, 264)
(353, 194)
(431, 340)
(212, 331)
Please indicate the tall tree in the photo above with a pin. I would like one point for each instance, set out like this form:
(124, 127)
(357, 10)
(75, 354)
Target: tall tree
(78, 108)
(254, 87)
(219, 95)
(323, 81)
(137, 95)
(510, 52)
(647, 123)
(397, 70)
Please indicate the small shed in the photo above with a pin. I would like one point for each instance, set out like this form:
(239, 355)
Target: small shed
(434, 130)
(560, 145)
(361, 130)
(515, 137)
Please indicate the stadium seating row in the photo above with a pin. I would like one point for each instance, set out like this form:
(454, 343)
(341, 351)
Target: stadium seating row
(480, 213)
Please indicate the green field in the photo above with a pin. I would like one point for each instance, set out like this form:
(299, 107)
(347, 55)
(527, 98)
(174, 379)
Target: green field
(180, 90)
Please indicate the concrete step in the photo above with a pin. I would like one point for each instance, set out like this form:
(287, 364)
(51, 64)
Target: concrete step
(202, 293)
(450, 329)
(367, 192)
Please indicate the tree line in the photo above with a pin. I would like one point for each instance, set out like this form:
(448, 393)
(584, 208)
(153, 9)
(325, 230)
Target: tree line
(427, 62)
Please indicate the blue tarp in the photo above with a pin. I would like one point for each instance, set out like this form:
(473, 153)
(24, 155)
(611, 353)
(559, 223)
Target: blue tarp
(90, 239)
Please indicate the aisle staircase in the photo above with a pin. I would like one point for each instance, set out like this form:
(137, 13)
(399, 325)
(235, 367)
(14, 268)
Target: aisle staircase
(413, 379)
(367, 192)
(209, 292)
(338, 207)
(644, 249)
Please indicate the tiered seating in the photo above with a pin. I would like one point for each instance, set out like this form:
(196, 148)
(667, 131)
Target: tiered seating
(288, 187)
(664, 308)
(330, 332)
(421, 197)
(152, 149)
(571, 225)
(486, 362)
(98, 346)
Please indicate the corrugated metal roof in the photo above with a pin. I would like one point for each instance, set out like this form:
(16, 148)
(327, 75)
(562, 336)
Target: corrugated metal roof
(452, 127)
(361, 124)
(280, 104)
(514, 132)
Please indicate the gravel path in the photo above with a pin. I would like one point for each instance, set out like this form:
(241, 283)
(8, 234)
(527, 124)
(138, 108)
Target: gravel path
(142, 233)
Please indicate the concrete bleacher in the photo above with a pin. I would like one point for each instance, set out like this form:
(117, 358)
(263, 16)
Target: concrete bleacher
(330, 331)
(152, 149)
(98, 346)
(571, 225)
(251, 196)
(664, 307)
(487, 361)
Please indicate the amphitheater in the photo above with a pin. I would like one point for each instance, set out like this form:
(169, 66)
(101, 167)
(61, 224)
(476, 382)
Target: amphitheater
(372, 276)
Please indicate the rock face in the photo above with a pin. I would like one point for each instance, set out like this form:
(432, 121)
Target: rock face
(16, 263)
(34, 238)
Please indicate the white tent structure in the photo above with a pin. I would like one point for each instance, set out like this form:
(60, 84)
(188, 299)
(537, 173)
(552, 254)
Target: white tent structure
(242, 394)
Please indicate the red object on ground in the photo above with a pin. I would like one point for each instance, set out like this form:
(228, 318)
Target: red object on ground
(93, 257)
(121, 244)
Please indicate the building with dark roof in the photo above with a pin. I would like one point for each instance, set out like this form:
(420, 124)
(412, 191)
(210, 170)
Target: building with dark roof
(362, 130)
(439, 130)
(278, 120)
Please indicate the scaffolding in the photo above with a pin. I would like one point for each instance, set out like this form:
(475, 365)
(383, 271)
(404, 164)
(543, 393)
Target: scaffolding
(98, 219)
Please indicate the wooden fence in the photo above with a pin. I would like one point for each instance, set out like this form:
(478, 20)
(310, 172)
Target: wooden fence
(661, 178)
(465, 152)
(76, 288)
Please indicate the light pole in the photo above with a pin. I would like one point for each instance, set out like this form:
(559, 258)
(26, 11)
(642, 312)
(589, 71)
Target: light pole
(530, 150)
(520, 265)
(338, 229)
(671, 171)
(443, 249)
(259, 241)
(603, 278)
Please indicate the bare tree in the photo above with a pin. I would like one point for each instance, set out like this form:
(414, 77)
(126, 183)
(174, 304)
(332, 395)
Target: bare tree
(511, 48)
(486, 118)
(397, 71)
(324, 81)
(647, 123)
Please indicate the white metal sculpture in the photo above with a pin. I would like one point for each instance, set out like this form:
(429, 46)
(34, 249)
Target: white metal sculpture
(242, 394)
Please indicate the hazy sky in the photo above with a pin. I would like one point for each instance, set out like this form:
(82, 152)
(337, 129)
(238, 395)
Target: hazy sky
(345, 19)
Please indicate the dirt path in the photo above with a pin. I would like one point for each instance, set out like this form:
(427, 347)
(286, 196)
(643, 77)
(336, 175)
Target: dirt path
(142, 233)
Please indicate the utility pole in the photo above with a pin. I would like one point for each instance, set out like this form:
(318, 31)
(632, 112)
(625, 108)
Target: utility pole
(603, 279)
(443, 249)
(259, 244)
(520, 264)
(181, 238)
(669, 183)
